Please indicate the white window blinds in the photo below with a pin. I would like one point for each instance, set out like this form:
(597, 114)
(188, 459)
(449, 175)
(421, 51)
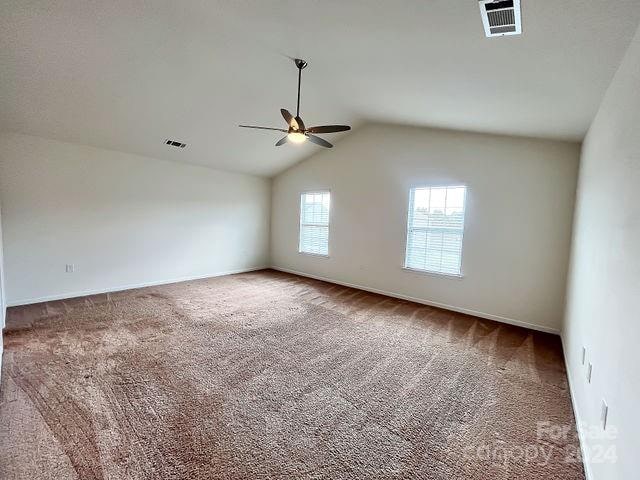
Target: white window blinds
(314, 223)
(435, 229)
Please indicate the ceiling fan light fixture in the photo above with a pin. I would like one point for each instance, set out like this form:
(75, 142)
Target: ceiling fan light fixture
(296, 137)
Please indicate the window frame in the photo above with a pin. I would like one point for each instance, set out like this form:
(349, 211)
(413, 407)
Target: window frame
(432, 273)
(311, 192)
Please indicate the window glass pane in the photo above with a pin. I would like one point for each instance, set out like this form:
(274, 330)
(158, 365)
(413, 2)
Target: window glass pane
(434, 258)
(417, 241)
(452, 242)
(314, 239)
(455, 197)
(438, 198)
(453, 218)
(315, 208)
(421, 199)
(421, 210)
(450, 261)
(434, 240)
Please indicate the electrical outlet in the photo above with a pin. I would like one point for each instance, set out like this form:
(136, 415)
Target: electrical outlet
(70, 268)
(604, 413)
(589, 370)
(584, 355)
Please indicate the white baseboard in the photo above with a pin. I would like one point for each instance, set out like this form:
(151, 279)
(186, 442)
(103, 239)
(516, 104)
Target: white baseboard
(475, 313)
(119, 288)
(576, 413)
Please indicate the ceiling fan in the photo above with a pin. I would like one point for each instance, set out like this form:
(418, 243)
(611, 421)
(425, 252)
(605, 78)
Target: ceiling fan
(296, 131)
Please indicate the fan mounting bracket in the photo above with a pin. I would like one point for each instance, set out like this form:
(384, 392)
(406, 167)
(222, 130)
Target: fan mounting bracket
(300, 63)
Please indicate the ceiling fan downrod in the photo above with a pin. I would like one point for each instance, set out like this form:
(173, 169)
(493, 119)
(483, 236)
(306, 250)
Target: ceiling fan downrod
(300, 64)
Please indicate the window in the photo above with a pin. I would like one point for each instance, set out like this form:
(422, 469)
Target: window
(435, 229)
(314, 223)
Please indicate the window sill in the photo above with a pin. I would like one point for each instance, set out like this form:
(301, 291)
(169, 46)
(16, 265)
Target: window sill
(450, 276)
(319, 255)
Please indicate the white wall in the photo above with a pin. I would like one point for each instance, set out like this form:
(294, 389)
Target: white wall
(3, 305)
(603, 307)
(122, 219)
(518, 221)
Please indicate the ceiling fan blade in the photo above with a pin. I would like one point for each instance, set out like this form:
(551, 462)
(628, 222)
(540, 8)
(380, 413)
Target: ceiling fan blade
(287, 116)
(329, 129)
(319, 141)
(300, 123)
(263, 128)
(282, 141)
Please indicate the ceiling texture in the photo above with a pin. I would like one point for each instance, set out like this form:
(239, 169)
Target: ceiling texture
(126, 75)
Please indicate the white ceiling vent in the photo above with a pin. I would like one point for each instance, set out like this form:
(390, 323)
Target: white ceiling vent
(501, 17)
(173, 143)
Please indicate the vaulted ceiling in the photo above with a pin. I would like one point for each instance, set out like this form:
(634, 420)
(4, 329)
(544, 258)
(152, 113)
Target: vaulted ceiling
(126, 75)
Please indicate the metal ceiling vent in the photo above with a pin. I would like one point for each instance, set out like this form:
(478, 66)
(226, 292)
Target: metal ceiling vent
(501, 17)
(173, 143)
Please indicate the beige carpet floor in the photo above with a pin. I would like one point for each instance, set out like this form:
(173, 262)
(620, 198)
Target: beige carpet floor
(267, 375)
